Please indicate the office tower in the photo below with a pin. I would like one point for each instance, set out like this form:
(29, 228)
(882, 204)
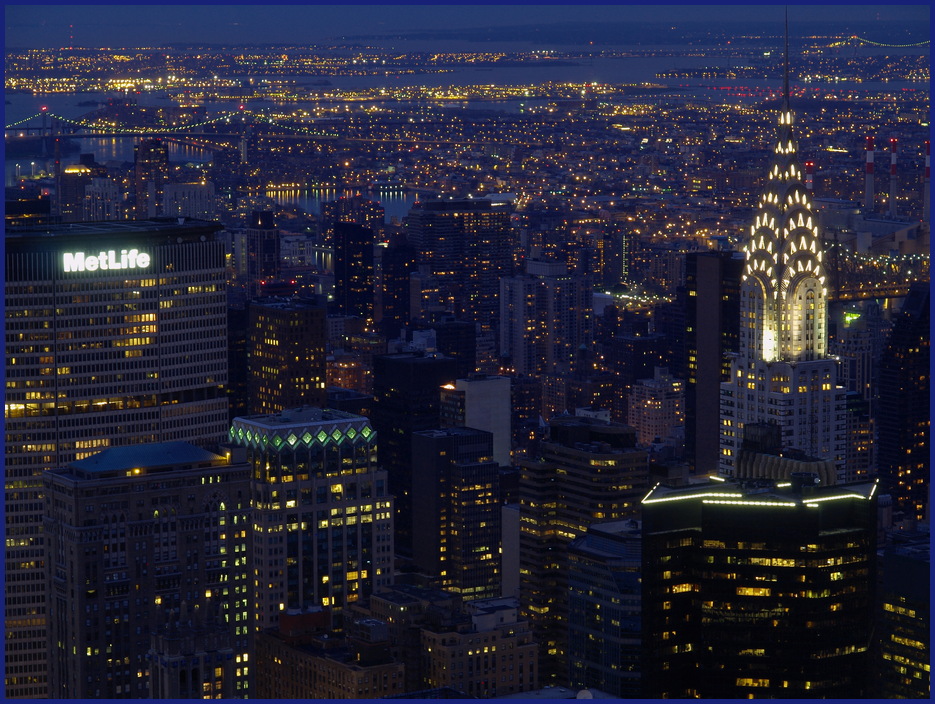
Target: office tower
(481, 402)
(135, 535)
(322, 511)
(100, 319)
(588, 471)
(545, 317)
(902, 653)
(657, 407)
(353, 270)
(783, 373)
(287, 355)
(103, 200)
(406, 400)
(299, 661)
(150, 174)
(858, 428)
(758, 590)
(357, 210)
(604, 627)
(467, 245)
(70, 198)
(190, 200)
(456, 510)
(711, 300)
(257, 253)
(902, 415)
(397, 262)
(632, 356)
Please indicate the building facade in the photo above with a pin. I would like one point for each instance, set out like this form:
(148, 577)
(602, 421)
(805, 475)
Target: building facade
(456, 510)
(323, 515)
(99, 327)
(136, 536)
(783, 373)
(758, 589)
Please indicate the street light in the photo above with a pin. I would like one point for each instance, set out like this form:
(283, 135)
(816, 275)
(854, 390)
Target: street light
(33, 168)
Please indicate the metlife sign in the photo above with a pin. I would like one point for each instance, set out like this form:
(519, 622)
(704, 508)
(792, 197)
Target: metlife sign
(106, 261)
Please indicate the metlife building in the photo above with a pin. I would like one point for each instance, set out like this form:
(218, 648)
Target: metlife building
(116, 334)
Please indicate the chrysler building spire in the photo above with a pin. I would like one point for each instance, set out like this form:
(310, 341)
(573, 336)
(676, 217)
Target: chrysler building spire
(783, 375)
(784, 285)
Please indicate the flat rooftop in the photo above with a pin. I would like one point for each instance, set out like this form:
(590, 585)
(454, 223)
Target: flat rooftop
(117, 461)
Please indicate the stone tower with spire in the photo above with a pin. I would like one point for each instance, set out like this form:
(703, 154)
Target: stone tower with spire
(783, 374)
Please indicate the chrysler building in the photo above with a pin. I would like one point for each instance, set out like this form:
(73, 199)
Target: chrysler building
(783, 374)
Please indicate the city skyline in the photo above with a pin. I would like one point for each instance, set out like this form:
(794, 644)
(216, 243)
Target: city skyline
(95, 26)
(432, 361)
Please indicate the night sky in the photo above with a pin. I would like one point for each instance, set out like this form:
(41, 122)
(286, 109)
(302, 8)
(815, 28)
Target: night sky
(55, 26)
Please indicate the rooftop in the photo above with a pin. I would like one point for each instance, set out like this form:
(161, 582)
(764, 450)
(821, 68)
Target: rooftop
(143, 457)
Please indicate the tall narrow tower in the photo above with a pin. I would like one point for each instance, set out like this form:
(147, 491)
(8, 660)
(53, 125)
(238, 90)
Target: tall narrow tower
(783, 373)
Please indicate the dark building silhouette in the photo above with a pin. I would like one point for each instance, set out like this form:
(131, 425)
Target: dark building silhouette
(604, 627)
(456, 510)
(903, 635)
(356, 210)
(406, 393)
(150, 174)
(398, 261)
(467, 245)
(588, 471)
(162, 516)
(760, 589)
(902, 414)
(353, 270)
(711, 300)
(257, 254)
(287, 355)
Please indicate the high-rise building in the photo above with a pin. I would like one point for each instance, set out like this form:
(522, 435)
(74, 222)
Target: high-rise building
(322, 511)
(545, 317)
(353, 270)
(903, 417)
(103, 200)
(286, 355)
(758, 589)
(100, 319)
(481, 402)
(190, 200)
(355, 209)
(711, 302)
(904, 613)
(397, 262)
(657, 407)
(456, 507)
(257, 254)
(783, 373)
(588, 471)
(150, 174)
(406, 394)
(604, 626)
(467, 245)
(70, 198)
(134, 534)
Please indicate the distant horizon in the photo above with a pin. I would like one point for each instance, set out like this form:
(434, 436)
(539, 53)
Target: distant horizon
(96, 26)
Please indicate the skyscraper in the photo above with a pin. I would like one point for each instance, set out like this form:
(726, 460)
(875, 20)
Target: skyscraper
(456, 510)
(100, 319)
(357, 210)
(587, 472)
(758, 590)
(323, 515)
(134, 533)
(287, 355)
(467, 245)
(150, 174)
(353, 270)
(783, 373)
(406, 390)
(712, 316)
(481, 402)
(903, 416)
(545, 316)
